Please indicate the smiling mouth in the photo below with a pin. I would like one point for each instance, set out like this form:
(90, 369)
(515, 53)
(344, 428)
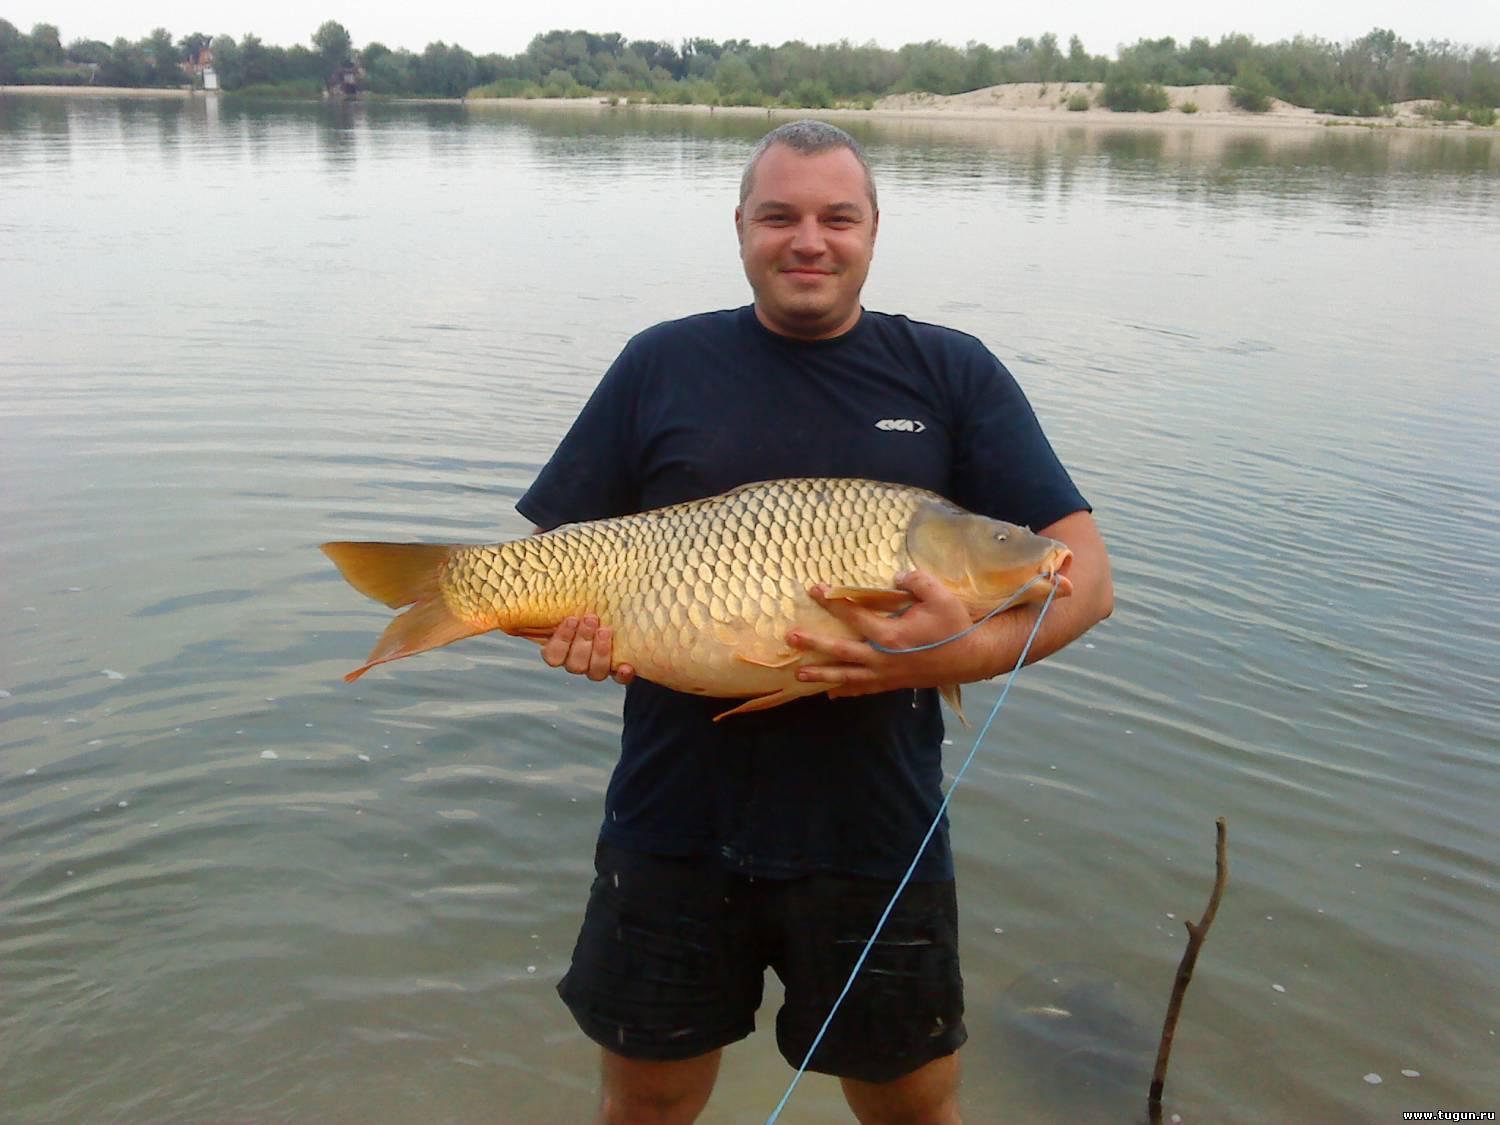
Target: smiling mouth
(809, 272)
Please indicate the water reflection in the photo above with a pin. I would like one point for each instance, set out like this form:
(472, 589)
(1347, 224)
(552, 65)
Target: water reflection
(1360, 169)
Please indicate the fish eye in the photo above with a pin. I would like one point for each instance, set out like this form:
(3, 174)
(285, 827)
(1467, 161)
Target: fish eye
(999, 537)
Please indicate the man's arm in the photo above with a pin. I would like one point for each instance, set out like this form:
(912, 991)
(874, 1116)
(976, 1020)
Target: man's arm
(937, 613)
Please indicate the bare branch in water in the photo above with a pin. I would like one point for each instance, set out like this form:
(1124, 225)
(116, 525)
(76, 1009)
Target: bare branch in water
(1196, 933)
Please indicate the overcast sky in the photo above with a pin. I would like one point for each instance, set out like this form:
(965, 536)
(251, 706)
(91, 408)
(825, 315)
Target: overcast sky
(1103, 24)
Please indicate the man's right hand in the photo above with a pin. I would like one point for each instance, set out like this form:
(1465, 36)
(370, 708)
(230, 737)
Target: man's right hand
(584, 649)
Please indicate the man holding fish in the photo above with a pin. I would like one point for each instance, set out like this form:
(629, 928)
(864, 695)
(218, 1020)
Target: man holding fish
(775, 839)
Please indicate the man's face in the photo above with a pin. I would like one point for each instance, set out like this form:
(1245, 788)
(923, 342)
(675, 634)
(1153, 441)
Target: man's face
(807, 234)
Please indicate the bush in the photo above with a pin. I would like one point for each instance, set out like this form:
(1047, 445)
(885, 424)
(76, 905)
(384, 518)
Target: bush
(1078, 102)
(1250, 100)
(1451, 111)
(808, 94)
(1189, 107)
(292, 88)
(745, 97)
(1126, 95)
(501, 88)
(54, 76)
(1345, 101)
(1251, 90)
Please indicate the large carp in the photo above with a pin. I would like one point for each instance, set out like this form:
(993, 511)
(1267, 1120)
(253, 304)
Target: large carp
(702, 595)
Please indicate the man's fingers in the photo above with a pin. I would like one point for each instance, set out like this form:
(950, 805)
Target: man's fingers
(581, 650)
(865, 622)
(920, 583)
(842, 649)
(555, 651)
(599, 659)
(835, 674)
(585, 648)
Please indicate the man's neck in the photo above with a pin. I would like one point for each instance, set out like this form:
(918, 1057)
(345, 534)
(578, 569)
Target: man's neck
(808, 332)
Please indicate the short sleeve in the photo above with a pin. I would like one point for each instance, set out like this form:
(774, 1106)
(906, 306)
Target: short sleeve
(1004, 465)
(593, 473)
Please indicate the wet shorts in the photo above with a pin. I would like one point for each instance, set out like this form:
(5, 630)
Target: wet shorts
(672, 955)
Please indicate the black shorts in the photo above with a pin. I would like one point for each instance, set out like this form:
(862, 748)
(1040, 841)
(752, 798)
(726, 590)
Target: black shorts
(672, 955)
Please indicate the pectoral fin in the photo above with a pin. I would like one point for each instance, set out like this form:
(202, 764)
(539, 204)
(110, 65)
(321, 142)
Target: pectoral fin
(779, 661)
(883, 599)
(954, 694)
(772, 699)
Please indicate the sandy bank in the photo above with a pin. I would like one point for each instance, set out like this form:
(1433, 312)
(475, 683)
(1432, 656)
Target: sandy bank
(1031, 102)
(98, 91)
(1038, 102)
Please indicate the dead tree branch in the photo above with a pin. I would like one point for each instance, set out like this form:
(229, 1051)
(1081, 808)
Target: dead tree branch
(1196, 933)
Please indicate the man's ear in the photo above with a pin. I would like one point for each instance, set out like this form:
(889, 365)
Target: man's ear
(874, 228)
(739, 231)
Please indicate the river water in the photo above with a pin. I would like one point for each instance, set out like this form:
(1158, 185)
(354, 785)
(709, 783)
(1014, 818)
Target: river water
(232, 887)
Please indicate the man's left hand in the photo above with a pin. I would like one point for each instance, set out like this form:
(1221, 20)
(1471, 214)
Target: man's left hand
(935, 613)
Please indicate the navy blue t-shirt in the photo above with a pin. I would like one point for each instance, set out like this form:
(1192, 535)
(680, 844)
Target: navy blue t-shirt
(698, 406)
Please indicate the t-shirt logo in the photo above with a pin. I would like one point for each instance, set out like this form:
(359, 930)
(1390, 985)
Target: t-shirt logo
(904, 425)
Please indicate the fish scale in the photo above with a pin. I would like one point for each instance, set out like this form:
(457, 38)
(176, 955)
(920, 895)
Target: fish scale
(688, 587)
(700, 596)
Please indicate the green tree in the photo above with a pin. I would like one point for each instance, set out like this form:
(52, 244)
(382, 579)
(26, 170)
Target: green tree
(257, 64)
(12, 52)
(448, 72)
(128, 65)
(734, 78)
(165, 60)
(88, 51)
(1048, 58)
(46, 45)
(334, 46)
(227, 62)
(387, 71)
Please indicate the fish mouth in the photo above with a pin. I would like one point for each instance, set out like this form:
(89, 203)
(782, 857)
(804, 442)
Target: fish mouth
(1055, 568)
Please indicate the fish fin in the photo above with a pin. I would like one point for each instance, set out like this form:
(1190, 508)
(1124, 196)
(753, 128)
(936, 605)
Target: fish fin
(954, 694)
(882, 598)
(394, 573)
(427, 625)
(781, 661)
(400, 574)
(540, 634)
(772, 699)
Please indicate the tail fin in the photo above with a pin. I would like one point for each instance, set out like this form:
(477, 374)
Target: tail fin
(400, 574)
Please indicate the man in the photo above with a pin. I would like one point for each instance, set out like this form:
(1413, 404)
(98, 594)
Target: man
(776, 838)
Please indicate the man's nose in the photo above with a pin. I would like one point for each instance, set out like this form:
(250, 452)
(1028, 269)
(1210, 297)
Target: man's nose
(808, 238)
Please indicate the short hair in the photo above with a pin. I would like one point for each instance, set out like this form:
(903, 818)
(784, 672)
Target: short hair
(809, 137)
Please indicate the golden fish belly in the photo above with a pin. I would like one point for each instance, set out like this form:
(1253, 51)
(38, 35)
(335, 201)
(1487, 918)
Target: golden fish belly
(701, 595)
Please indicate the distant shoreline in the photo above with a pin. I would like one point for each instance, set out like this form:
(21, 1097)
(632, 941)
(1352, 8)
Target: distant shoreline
(103, 91)
(1019, 102)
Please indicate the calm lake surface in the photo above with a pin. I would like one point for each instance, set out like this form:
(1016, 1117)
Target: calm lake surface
(233, 887)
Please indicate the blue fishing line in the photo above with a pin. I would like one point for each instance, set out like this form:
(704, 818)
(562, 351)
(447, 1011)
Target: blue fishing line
(1001, 608)
(947, 797)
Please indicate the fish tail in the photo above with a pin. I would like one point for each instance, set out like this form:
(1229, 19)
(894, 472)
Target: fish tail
(402, 574)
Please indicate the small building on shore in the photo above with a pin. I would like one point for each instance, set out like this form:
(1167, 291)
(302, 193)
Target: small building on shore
(200, 70)
(344, 82)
